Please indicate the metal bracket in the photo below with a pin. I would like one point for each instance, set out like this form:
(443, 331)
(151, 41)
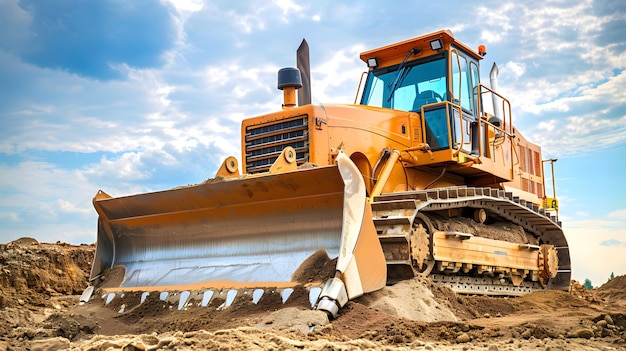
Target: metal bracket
(285, 162)
(229, 168)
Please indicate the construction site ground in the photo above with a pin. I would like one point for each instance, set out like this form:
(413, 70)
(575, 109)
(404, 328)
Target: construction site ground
(40, 285)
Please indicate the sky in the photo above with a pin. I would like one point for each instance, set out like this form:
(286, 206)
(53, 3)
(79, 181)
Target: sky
(130, 96)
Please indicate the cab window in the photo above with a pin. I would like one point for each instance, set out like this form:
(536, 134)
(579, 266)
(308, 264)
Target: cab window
(416, 84)
(475, 82)
(461, 84)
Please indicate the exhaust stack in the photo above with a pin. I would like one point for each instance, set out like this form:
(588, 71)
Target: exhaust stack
(493, 81)
(304, 65)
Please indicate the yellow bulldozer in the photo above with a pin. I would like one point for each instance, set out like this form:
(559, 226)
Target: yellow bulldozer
(417, 177)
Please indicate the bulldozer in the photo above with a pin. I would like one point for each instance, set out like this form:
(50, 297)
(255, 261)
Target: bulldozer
(418, 177)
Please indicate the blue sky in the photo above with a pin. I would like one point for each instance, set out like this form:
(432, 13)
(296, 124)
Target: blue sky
(130, 96)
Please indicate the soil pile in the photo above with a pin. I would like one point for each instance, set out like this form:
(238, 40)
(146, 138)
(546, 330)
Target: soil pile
(581, 292)
(614, 291)
(40, 311)
(32, 273)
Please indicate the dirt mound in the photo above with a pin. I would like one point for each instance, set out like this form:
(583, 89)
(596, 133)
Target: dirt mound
(614, 290)
(318, 267)
(36, 281)
(549, 300)
(581, 292)
(414, 300)
(33, 272)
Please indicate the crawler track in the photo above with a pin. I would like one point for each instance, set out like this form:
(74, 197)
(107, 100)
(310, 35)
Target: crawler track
(408, 237)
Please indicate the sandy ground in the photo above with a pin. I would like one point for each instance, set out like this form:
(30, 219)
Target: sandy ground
(40, 286)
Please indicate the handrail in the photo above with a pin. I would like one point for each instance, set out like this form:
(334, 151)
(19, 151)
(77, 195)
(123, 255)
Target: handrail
(507, 128)
(458, 150)
(504, 107)
(449, 106)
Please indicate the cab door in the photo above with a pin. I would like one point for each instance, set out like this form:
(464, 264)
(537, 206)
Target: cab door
(464, 118)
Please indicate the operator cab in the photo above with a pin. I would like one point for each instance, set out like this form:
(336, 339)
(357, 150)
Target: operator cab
(433, 75)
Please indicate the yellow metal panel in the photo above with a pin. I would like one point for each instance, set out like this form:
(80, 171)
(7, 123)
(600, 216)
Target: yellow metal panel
(482, 251)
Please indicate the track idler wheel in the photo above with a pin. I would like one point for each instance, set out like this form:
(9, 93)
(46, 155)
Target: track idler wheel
(421, 245)
(548, 264)
(479, 215)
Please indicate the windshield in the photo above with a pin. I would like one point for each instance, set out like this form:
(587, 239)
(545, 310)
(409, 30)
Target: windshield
(415, 85)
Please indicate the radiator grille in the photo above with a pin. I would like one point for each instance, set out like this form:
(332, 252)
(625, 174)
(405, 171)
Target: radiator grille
(265, 142)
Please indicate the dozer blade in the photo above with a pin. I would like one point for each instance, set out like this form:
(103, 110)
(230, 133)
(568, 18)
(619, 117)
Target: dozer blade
(243, 233)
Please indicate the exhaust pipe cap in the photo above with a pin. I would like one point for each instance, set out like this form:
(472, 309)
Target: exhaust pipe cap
(289, 77)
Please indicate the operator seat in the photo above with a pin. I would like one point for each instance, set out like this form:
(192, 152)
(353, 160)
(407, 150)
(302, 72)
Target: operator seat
(424, 98)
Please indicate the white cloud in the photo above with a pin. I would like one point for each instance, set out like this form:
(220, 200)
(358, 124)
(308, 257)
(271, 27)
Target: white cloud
(566, 79)
(491, 36)
(514, 69)
(127, 167)
(565, 63)
(33, 110)
(576, 134)
(11, 216)
(224, 79)
(333, 78)
(619, 214)
(66, 206)
(547, 126)
(248, 23)
(499, 18)
(287, 6)
(34, 177)
(607, 92)
(613, 243)
(81, 120)
(187, 6)
(584, 126)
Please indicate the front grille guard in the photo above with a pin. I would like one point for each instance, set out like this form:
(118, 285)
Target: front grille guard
(265, 142)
